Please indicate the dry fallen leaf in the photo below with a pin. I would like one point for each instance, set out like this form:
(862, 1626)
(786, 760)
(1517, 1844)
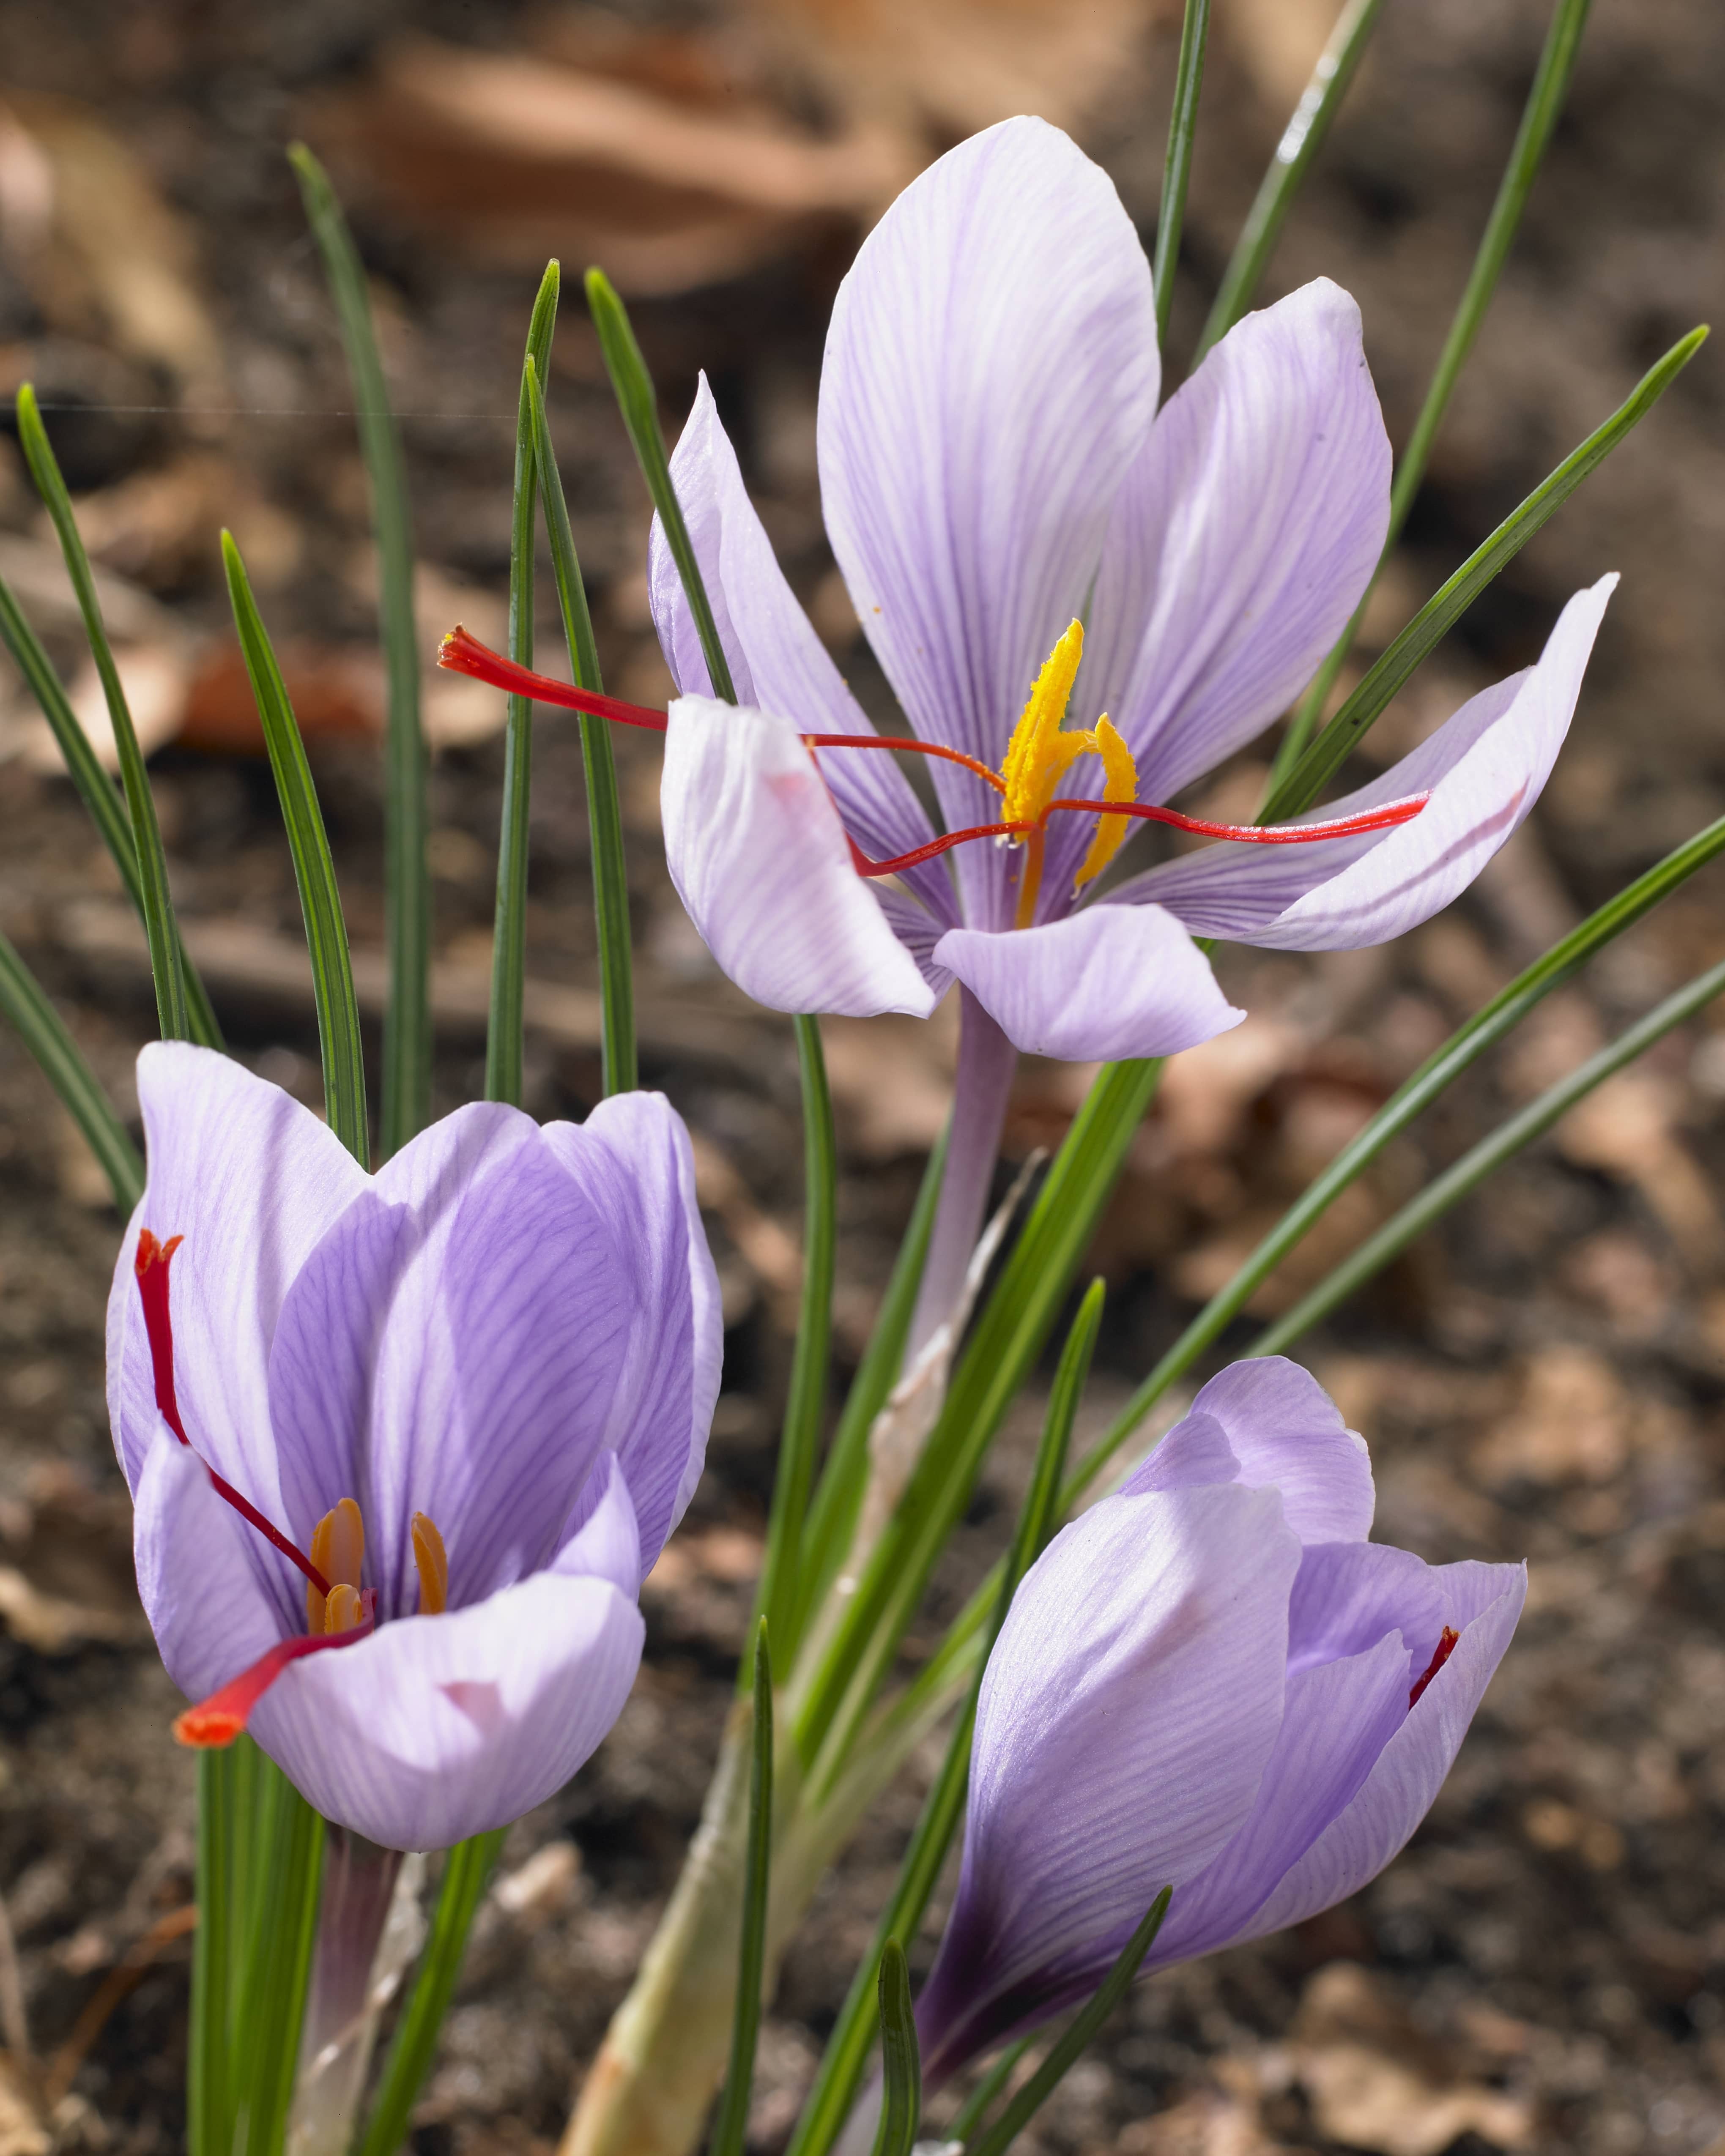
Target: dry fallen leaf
(1572, 1422)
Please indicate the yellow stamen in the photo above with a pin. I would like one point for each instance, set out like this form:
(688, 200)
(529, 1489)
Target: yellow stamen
(343, 1610)
(432, 1563)
(1120, 783)
(338, 1550)
(1039, 752)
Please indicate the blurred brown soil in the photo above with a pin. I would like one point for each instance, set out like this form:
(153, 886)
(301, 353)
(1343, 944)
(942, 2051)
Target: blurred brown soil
(1544, 1969)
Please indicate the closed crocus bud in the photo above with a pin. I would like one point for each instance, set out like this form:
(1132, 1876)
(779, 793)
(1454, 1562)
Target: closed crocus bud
(1210, 1681)
(404, 1446)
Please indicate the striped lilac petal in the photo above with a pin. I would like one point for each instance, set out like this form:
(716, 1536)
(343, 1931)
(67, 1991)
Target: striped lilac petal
(439, 1728)
(201, 1572)
(1484, 768)
(760, 860)
(1268, 1423)
(1482, 1601)
(1242, 539)
(777, 661)
(480, 1326)
(632, 1162)
(1106, 982)
(990, 371)
(1128, 1710)
(251, 1181)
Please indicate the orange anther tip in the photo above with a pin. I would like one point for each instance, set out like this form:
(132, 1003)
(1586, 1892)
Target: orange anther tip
(205, 1729)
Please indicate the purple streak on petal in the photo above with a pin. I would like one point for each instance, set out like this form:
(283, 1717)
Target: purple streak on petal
(990, 369)
(607, 1545)
(759, 859)
(1286, 1434)
(1485, 768)
(466, 1327)
(778, 662)
(632, 1163)
(919, 931)
(198, 1573)
(1106, 982)
(1399, 1792)
(1245, 531)
(1128, 1710)
(251, 1180)
(439, 1728)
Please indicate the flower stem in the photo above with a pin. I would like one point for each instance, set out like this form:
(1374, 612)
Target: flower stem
(986, 1062)
(341, 2014)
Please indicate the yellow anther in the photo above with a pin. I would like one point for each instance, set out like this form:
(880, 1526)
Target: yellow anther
(338, 1550)
(432, 1563)
(1120, 783)
(1038, 751)
(343, 1610)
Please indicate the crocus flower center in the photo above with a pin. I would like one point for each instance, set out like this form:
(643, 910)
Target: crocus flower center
(338, 1608)
(1039, 753)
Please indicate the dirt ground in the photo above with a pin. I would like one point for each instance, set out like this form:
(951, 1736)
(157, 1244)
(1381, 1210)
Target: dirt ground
(1544, 1969)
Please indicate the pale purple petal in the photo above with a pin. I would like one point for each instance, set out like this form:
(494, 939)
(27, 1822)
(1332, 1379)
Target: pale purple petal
(439, 1728)
(1484, 768)
(1349, 1595)
(1128, 1710)
(990, 371)
(1410, 1771)
(607, 1545)
(758, 856)
(467, 1328)
(1242, 539)
(251, 1180)
(200, 1570)
(632, 1163)
(918, 931)
(1283, 1432)
(778, 662)
(1106, 982)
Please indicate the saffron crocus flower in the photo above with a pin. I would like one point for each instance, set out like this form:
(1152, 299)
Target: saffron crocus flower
(994, 467)
(404, 1446)
(1210, 1681)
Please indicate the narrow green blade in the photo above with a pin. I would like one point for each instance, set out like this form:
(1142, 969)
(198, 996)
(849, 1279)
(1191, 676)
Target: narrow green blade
(406, 1102)
(987, 2089)
(1326, 756)
(1177, 165)
(1301, 139)
(1074, 2040)
(209, 2097)
(278, 1967)
(166, 966)
(840, 2075)
(901, 2058)
(1484, 1160)
(639, 404)
(344, 1077)
(1539, 117)
(730, 2126)
(604, 811)
(1463, 1049)
(414, 2044)
(45, 1033)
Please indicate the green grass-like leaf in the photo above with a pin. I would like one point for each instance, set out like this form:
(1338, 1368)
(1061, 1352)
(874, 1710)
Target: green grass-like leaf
(605, 811)
(406, 1102)
(901, 2058)
(506, 1036)
(45, 1033)
(730, 2125)
(166, 969)
(1074, 2039)
(1176, 164)
(271, 2005)
(344, 1076)
(1326, 756)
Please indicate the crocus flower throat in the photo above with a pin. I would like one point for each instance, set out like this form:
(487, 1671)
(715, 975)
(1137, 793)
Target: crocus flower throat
(1038, 754)
(339, 1608)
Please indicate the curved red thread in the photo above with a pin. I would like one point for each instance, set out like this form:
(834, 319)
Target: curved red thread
(1260, 834)
(461, 653)
(219, 1719)
(150, 1266)
(1447, 1639)
(865, 867)
(912, 747)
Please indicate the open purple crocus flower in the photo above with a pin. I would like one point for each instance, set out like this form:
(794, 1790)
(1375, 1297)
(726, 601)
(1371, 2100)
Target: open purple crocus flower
(1211, 1680)
(404, 1446)
(1003, 499)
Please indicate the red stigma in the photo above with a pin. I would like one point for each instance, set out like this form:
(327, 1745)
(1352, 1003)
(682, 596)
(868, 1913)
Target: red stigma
(219, 1719)
(461, 653)
(1446, 1648)
(150, 1266)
